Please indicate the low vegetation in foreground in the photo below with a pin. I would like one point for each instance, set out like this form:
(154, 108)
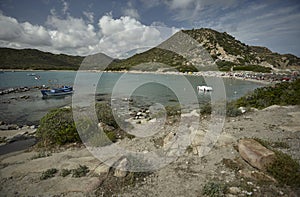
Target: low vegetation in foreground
(57, 127)
(284, 169)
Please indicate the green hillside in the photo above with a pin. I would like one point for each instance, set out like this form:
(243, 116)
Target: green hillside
(35, 59)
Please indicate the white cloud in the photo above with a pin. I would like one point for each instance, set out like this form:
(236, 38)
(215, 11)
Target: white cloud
(65, 6)
(89, 16)
(13, 31)
(76, 36)
(131, 11)
(125, 34)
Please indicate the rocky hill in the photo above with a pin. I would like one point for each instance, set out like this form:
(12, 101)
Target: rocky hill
(221, 48)
(227, 52)
(225, 47)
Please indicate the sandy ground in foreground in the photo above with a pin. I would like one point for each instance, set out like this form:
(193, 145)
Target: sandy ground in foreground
(185, 176)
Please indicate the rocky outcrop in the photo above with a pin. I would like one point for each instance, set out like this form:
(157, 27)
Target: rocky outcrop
(121, 168)
(255, 154)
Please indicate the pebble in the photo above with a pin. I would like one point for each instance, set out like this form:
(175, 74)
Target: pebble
(234, 190)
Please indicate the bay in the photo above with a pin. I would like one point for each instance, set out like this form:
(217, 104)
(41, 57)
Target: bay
(144, 88)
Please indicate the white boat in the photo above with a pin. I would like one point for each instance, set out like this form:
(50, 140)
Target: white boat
(204, 89)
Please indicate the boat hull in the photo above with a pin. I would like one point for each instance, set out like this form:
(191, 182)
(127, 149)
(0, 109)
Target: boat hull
(58, 91)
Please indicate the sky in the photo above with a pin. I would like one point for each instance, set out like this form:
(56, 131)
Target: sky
(120, 28)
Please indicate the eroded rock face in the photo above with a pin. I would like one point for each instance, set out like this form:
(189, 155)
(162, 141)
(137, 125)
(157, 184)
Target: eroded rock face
(121, 168)
(255, 154)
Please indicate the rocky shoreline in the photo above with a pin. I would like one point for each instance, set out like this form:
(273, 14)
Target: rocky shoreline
(190, 174)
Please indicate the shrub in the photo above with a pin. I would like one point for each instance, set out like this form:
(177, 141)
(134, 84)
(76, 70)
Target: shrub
(41, 155)
(105, 115)
(48, 173)
(65, 172)
(80, 171)
(58, 127)
(206, 109)
(285, 93)
(232, 110)
(213, 189)
(253, 68)
(285, 169)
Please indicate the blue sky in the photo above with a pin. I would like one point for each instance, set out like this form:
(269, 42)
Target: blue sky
(80, 27)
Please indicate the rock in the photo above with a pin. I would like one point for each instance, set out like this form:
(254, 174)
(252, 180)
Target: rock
(153, 120)
(25, 127)
(102, 169)
(17, 137)
(234, 190)
(3, 127)
(255, 154)
(32, 127)
(12, 127)
(242, 109)
(121, 168)
(170, 138)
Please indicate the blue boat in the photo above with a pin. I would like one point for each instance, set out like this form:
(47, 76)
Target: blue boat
(64, 90)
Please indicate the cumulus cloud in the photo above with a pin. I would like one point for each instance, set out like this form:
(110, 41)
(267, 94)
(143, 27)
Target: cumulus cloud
(125, 34)
(13, 31)
(65, 6)
(71, 32)
(131, 11)
(89, 16)
(76, 36)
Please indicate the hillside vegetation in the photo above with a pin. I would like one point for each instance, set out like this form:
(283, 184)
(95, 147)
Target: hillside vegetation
(35, 59)
(221, 48)
(285, 93)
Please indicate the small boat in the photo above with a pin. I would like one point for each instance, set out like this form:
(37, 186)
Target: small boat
(204, 89)
(31, 74)
(64, 90)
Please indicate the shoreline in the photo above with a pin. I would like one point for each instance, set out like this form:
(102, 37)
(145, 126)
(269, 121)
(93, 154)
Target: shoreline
(219, 74)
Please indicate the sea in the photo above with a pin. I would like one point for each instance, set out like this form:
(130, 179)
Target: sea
(144, 88)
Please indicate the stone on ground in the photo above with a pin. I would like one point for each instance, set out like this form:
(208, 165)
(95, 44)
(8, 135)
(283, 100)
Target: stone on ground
(255, 154)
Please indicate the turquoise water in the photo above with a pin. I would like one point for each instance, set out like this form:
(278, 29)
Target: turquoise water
(145, 88)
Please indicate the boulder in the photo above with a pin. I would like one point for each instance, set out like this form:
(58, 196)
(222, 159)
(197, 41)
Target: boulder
(121, 168)
(255, 154)
(102, 169)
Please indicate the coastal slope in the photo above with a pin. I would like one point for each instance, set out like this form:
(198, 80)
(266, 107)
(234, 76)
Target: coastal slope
(224, 50)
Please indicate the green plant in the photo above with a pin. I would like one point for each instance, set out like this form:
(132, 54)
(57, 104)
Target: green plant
(206, 109)
(41, 155)
(173, 110)
(48, 173)
(254, 68)
(285, 169)
(105, 115)
(285, 93)
(80, 171)
(232, 110)
(57, 128)
(213, 189)
(65, 172)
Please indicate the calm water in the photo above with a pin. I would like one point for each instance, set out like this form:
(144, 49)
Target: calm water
(145, 88)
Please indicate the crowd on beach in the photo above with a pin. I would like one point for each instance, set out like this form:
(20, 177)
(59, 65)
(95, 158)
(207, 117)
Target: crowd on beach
(244, 75)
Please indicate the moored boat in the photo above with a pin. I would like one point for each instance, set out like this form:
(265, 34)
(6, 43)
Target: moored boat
(204, 89)
(64, 90)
